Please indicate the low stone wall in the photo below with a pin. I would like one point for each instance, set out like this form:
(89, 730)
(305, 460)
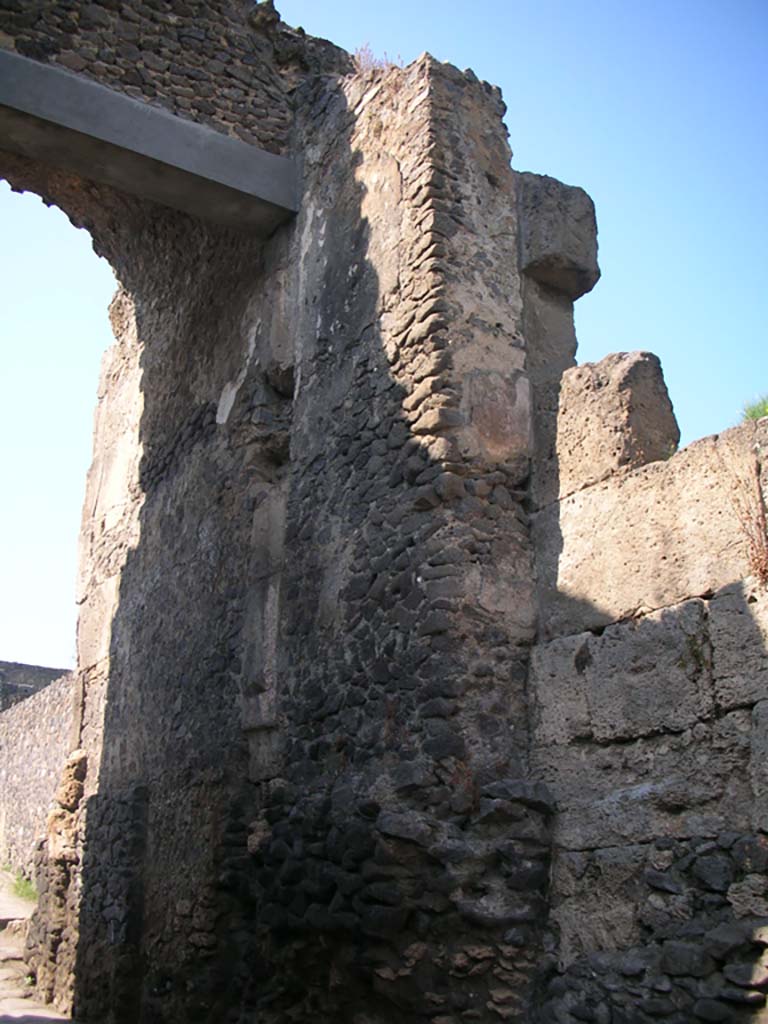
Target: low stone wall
(34, 742)
(18, 681)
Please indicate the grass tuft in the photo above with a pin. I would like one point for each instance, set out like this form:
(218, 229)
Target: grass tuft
(22, 886)
(756, 410)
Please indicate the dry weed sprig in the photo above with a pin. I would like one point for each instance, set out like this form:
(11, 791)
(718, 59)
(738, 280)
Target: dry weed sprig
(748, 501)
(366, 60)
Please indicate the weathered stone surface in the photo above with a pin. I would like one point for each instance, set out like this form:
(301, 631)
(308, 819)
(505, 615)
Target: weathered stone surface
(666, 531)
(596, 912)
(695, 782)
(18, 681)
(35, 735)
(635, 679)
(612, 415)
(685, 958)
(758, 766)
(314, 777)
(748, 896)
(558, 234)
(738, 625)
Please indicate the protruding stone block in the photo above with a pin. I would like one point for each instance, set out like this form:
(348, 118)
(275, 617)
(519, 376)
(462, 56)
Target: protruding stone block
(614, 414)
(558, 234)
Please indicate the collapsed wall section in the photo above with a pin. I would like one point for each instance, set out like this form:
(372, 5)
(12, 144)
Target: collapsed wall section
(35, 738)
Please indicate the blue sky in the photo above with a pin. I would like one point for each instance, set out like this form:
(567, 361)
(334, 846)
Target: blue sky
(658, 109)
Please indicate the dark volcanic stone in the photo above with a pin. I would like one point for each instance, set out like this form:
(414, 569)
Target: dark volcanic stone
(531, 794)
(383, 921)
(526, 875)
(684, 958)
(383, 892)
(408, 826)
(409, 777)
(712, 1010)
(369, 809)
(663, 881)
(751, 854)
(631, 966)
(656, 1006)
(744, 996)
(445, 744)
(714, 870)
(725, 939)
(746, 975)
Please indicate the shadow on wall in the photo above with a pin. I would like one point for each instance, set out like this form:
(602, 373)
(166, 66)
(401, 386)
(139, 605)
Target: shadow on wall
(158, 701)
(377, 853)
(648, 711)
(390, 819)
(304, 790)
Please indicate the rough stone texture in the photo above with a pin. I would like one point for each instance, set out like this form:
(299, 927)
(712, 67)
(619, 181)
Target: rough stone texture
(383, 353)
(738, 624)
(667, 531)
(402, 829)
(612, 415)
(354, 740)
(659, 875)
(558, 235)
(227, 64)
(18, 681)
(635, 736)
(548, 286)
(635, 679)
(34, 739)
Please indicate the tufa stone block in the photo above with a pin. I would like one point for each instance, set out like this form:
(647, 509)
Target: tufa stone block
(613, 415)
(558, 234)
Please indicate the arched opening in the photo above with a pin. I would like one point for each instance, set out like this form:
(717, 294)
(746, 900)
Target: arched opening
(170, 498)
(54, 293)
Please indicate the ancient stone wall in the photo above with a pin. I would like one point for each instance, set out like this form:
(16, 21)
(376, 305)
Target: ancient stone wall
(397, 805)
(171, 502)
(209, 62)
(417, 679)
(647, 690)
(19, 681)
(35, 738)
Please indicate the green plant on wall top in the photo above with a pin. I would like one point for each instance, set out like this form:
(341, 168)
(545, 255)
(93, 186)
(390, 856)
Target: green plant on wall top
(756, 410)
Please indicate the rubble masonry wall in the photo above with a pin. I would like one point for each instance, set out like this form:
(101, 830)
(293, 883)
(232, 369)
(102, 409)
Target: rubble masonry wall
(403, 694)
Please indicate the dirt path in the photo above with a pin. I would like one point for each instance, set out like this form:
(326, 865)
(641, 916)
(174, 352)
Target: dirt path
(16, 1004)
